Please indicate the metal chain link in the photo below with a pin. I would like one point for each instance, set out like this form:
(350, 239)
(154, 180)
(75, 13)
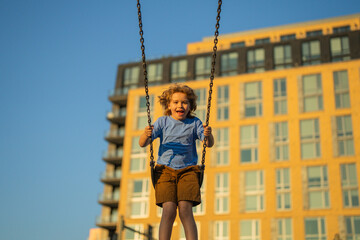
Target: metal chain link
(212, 76)
(141, 32)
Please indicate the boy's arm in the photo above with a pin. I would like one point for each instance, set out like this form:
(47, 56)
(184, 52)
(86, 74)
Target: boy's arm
(209, 140)
(145, 138)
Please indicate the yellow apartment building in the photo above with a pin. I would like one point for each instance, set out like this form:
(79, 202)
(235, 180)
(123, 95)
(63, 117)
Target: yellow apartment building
(285, 114)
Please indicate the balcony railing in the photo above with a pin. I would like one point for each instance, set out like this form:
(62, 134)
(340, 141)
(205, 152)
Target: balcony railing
(118, 95)
(111, 177)
(114, 156)
(115, 136)
(108, 222)
(109, 199)
(117, 116)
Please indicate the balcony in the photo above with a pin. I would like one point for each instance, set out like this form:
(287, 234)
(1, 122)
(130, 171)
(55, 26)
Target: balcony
(111, 177)
(113, 157)
(115, 136)
(108, 222)
(118, 96)
(117, 116)
(109, 199)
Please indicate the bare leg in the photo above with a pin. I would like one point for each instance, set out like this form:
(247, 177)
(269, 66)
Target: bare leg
(167, 220)
(187, 219)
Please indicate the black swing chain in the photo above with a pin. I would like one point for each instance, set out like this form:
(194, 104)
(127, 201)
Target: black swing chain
(141, 32)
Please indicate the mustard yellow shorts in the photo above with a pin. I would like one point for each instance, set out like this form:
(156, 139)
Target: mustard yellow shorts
(177, 185)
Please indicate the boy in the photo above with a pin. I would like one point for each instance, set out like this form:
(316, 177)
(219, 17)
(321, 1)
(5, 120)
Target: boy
(177, 184)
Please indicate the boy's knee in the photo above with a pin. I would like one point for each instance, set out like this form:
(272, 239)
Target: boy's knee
(169, 211)
(185, 209)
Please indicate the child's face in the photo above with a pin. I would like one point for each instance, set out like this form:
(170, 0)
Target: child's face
(179, 106)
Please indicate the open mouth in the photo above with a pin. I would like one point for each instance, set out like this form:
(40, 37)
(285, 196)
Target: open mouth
(180, 111)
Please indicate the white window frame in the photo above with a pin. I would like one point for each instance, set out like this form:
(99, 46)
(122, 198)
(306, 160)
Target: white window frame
(134, 235)
(201, 103)
(226, 64)
(344, 136)
(255, 60)
(322, 187)
(321, 224)
(282, 56)
(254, 101)
(340, 48)
(280, 97)
(281, 141)
(202, 67)
(222, 193)
(222, 148)
(349, 186)
(255, 230)
(256, 190)
(141, 111)
(250, 143)
(137, 154)
(223, 103)
(312, 94)
(281, 229)
(283, 188)
(313, 139)
(179, 70)
(155, 73)
(352, 231)
(221, 230)
(141, 197)
(341, 89)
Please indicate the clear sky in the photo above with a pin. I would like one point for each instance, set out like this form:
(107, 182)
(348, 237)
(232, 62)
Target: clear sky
(58, 61)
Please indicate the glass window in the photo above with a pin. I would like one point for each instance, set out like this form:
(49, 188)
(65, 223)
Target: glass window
(349, 183)
(341, 29)
(142, 118)
(178, 70)
(200, 209)
(237, 44)
(344, 136)
(254, 191)
(311, 52)
(131, 78)
(340, 49)
(222, 149)
(201, 103)
(281, 141)
(315, 229)
(222, 191)
(282, 57)
(223, 103)
(262, 41)
(256, 60)
(318, 187)
(155, 71)
(341, 87)
(138, 156)
(288, 37)
(140, 198)
(229, 62)
(202, 67)
(283, 198)
(284, 229)
(312, 93)
(280, 96)
(250, 229)
(253, 99)
(352, 227)
(222, 230)
(130, 235)
(314, 33)
(249, 144)
(310, 138)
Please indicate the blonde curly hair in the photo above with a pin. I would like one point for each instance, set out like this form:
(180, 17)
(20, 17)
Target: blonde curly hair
(166, 96)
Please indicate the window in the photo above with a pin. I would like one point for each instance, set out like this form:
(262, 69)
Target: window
(283, 198)
(341, 29)
(312, 93)
(284, 229)
(253, 99)
(249, 144)
(315, 229)
(200, 209)
(182, 232)
(314, 33)
(222, 191)
(178, 71)
(349, 184)
(229, 62)
(130, 235)
(280, 96)
(222, 230)
(344, 136)
(340, 49)
(262, 41)
(254, 191)
(256, 60)
(201, 103)
(138, 156)
(288, 37)
(139, 198)
(142, 118)
(341, 87)
(281, 141)
(202, 67)
(250, 229)
(223, 103)
(352, 227)
(310, 138)
(131, 78)
(237, 44)
(311, 52)
(155, 71)
(318, 187)
(222, 148)
(282, 57)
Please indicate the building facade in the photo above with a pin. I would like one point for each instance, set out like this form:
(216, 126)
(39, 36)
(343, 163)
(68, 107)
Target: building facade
(285, 115)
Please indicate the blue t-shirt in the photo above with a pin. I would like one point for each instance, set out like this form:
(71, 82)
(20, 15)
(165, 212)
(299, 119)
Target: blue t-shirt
(177, 141)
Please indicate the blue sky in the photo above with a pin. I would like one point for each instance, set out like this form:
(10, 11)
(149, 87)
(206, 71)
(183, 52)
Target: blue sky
(58, 62)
